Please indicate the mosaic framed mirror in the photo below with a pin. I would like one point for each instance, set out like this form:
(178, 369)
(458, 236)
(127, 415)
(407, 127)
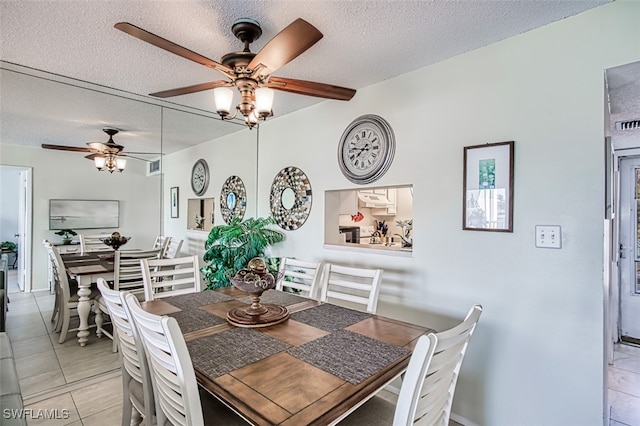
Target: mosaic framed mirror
(233, 199)
(290, 198)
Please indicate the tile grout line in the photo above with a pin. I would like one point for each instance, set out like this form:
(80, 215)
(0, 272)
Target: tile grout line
(70, 387)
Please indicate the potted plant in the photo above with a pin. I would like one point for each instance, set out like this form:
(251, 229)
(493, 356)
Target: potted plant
(407, 227)
(67, 235)
(230, 247)
(8, 246)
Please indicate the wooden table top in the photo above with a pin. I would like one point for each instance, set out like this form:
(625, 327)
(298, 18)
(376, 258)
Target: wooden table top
(87, 264)
(308, 370)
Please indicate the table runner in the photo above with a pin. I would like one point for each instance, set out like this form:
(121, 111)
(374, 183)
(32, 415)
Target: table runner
(195, 319)
(350, 356)
(190, 301)
(277, 297)
(329, 317)
(229, 350)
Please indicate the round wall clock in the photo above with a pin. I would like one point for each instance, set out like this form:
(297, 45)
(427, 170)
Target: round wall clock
(366, 149)
(200, 177)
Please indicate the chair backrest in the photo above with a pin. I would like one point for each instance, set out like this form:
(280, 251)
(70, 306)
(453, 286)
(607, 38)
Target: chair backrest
(89, 243)
(300, 275)
(59, 272)
(128, 270)
(355, 285)
(170, 277)
(161, 243)
(134, 360)
(175, 387)
(429, 384)
(173, 249)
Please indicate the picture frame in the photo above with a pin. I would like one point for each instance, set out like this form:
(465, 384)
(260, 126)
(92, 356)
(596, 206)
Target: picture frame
(487, 193)
(175, 202)
(83, 214)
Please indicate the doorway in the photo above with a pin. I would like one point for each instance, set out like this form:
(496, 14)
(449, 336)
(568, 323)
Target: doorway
(628, 329)
(16, 218)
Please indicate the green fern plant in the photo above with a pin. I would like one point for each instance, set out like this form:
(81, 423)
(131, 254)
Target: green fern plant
(231, 246)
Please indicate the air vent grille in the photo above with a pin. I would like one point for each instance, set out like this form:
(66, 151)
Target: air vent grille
(628, 125)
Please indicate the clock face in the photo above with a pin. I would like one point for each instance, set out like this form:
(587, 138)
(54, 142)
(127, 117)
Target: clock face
(366, 149)
(200, 177)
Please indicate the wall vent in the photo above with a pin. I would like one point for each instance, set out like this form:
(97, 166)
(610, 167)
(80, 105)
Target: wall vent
(628, 125)
(153, 167)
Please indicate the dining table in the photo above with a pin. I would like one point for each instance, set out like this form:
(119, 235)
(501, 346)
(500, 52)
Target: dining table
(314, 368)
(86, 269)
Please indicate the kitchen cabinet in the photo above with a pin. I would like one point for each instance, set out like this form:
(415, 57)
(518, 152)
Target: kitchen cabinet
(390, 209)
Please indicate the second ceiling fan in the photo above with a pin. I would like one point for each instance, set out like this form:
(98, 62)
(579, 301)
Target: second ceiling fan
(250, 72)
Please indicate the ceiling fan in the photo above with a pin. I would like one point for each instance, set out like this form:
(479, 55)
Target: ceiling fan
(107, 156)
(250, 72)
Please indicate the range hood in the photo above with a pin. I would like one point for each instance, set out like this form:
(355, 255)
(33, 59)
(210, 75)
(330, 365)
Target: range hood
(374, 200)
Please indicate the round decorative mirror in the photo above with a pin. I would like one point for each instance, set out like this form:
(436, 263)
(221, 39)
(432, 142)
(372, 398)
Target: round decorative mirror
(233, 199)
(290, 198)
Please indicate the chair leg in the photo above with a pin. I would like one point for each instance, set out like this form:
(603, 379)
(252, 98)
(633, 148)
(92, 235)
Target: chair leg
(99, 319)
(127, 406)
(64, 326)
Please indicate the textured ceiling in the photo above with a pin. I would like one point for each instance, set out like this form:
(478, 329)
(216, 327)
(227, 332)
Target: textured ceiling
(364, 42)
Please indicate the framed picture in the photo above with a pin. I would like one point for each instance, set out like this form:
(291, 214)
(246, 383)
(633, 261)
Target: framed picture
(175, 202)
(83, 214)
(487, 192)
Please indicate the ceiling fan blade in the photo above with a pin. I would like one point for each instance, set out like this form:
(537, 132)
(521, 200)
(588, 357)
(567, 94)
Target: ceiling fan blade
(170, 46)
(66, 148)
(310, 88)
(106, 148)
(190, 89)
(284, 47)
(91, 156)
(122, 154)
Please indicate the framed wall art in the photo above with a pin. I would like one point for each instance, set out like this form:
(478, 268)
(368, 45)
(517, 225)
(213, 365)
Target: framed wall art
(175, 202)
(487, 191)
(83, 214)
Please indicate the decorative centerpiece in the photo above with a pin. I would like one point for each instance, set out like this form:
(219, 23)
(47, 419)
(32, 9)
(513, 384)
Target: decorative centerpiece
(115, 241)
(256, 279)
(67, 235)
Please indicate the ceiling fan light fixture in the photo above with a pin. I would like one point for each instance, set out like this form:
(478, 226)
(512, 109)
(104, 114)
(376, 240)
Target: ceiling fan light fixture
(223, 97)
(100, 162)
(121, 163)
(264, 101)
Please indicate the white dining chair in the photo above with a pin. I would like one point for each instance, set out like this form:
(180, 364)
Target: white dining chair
(68, 300)
(429, 383)
(357, 286)
(173, 248)
(178, 400)
(92, 243)
(299, 275)
(127, 276)
(170, 277)
(136, 378)
(161, 242)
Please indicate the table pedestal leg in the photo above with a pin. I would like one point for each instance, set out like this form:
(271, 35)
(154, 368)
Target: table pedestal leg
(84, 308)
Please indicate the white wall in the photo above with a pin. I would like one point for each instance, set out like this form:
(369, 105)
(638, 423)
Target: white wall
(537, 357)
(231, 155)
(70, 175)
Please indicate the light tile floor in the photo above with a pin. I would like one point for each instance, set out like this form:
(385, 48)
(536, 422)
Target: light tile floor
(84, 384)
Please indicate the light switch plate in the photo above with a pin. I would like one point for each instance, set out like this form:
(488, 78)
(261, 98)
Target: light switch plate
(548, 236)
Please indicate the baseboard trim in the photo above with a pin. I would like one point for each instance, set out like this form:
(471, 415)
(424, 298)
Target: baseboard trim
(462, 420)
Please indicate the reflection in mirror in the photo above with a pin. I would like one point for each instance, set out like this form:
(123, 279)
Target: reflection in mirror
(288, 198)
(376, 218)
(200, 214)
(231, 200)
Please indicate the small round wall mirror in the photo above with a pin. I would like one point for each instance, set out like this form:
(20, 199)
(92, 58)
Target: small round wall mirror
(290, 198)
(233, 199)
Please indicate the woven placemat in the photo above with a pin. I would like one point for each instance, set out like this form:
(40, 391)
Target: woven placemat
(229, 350)
(195, 319)
(195, 300)
(349, 356)
(329, 317)
(276, 297)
